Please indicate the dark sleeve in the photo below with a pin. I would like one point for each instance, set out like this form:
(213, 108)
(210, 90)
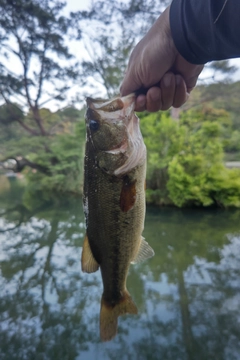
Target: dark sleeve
(206, 30)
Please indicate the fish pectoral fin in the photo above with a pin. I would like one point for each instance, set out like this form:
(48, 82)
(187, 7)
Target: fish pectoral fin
(109, 315)
(145, 252)
(89, 264)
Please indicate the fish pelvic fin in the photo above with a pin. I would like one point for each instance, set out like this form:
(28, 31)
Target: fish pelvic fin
(144, 252)
(89, 264)
(109, 315)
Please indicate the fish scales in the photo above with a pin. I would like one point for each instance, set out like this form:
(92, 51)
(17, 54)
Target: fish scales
(114, 203)
(111, 223)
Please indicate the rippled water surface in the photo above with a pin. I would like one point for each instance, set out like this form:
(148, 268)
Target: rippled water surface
(188, 294)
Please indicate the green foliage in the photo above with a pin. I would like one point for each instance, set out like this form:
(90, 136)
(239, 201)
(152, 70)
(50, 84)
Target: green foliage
(163, 139)
(214, 185)
(56, 161)
(10, 113)
(35, 35)
(197, 175)
(222, 97)
(232, 144)
(65, 154)
(185, 159)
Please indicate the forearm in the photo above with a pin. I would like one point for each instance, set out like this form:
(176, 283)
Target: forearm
(206, 30)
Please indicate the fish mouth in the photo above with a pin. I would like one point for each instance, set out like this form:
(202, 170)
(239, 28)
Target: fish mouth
(121, 109)
(134, 146)
(98, 103)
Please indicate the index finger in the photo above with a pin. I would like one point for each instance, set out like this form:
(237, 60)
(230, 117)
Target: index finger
(129, 85)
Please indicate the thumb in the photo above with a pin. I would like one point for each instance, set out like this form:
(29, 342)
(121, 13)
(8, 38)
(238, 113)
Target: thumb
(130, 83)
(148, 63)
(152, 57)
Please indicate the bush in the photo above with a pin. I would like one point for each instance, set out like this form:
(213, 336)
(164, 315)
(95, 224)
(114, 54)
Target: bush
(185, 160)
(66, 156)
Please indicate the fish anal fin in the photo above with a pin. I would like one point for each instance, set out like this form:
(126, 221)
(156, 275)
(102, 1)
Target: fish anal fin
(128, 194)
(109, 315)
(89, 264)
(144, 252)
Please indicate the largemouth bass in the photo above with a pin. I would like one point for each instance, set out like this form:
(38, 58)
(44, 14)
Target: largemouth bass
(114, 203)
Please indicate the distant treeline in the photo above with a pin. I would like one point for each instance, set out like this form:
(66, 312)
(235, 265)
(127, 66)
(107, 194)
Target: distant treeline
(186, 155)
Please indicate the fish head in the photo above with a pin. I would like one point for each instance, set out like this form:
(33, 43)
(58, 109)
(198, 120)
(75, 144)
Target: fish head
(114, 134)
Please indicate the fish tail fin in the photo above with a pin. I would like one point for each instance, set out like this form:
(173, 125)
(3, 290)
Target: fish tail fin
(109, 315)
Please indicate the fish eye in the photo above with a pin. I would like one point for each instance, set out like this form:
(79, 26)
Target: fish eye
(94, 125)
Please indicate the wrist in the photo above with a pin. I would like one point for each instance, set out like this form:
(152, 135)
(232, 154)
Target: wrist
(166, 40)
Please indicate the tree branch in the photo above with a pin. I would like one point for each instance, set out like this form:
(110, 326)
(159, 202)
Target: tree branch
(22, 163)
(41, 74)
(27, 128)
(25, 62)
(38, 119)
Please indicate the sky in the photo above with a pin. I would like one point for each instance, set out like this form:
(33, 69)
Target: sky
(74, 5)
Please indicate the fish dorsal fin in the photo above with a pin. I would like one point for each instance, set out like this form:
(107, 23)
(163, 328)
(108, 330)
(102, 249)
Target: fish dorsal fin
(89, 264)
(145, 252)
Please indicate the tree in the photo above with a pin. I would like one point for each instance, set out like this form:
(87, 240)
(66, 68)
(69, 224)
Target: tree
(34, 33)
(32, 37)
(186, 158)
(197, 175)
(36, 67)
(163, 139)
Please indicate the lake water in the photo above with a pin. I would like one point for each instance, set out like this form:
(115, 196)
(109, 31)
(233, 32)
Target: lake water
(188, 294)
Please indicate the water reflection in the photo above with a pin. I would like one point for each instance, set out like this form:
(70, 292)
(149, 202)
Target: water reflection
(188, 295)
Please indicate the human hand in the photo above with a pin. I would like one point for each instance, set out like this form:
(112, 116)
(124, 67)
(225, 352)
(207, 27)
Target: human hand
(157, 68)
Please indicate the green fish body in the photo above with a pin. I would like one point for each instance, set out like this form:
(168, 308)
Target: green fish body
(114, 203)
